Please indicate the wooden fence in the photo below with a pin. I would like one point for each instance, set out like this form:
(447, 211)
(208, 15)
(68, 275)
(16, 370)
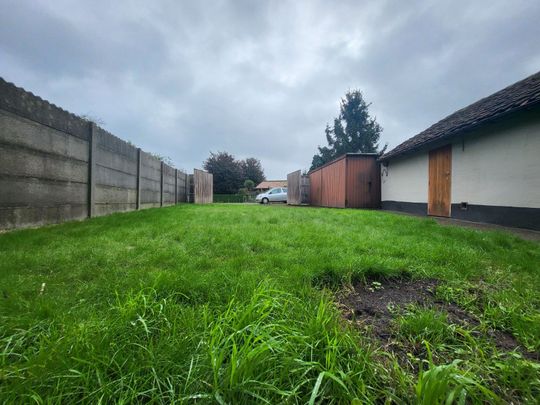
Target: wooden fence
(297, 188)
(203, 187)
(350, 181)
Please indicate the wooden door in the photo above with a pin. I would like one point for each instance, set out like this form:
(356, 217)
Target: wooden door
(440, 177)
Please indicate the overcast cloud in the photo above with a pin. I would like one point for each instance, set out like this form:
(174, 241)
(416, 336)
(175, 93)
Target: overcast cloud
(262, 78)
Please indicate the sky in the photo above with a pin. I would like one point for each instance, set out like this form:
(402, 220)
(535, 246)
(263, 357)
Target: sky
(262, 78)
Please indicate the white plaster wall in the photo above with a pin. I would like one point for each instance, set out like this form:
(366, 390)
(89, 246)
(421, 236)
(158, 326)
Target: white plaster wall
(499, 166)
(406, 179)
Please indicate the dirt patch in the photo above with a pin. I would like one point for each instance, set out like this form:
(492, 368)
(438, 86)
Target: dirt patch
(374, 304)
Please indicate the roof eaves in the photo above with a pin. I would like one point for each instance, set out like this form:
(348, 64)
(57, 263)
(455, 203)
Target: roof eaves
(456, 132)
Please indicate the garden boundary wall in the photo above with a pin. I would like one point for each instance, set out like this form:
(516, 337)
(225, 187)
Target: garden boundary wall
(56, 166)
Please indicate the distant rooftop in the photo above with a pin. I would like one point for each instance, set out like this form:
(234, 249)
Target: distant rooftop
(271, 184)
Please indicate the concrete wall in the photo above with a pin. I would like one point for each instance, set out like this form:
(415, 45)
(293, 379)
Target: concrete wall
(43, 173)
(405, 179)
(150, 181)
(169, 184)
(499, 166)
(115, 174)
(55, 166)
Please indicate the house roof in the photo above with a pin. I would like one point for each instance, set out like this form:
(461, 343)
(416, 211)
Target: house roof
(272, 184)
(518, 96)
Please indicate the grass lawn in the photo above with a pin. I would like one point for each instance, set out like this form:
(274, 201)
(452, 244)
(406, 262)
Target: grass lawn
(237, 304)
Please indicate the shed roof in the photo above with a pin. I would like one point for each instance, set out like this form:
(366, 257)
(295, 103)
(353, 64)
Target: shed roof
(272, 184)
(518, 96)
(349, 154)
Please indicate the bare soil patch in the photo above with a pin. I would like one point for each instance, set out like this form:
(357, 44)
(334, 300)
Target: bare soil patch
(374, 304)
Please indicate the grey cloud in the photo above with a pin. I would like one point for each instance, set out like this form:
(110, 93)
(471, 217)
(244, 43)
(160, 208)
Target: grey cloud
(56, 46)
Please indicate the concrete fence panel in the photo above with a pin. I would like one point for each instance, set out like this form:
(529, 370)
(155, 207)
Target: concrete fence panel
(115, 174)
(150, 181)
(56, 166)
(169, 195)
(43, 171)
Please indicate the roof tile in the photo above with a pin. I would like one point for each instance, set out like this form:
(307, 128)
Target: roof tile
(520, 95)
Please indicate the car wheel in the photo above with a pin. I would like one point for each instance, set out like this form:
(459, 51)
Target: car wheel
(265, 201)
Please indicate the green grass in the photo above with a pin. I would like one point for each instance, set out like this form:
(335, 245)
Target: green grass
(235, 304)
(425, 325)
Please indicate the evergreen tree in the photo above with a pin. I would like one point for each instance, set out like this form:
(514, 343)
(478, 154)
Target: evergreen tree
(252, 170)
(227, 172)
(231, 174)
(353, 131)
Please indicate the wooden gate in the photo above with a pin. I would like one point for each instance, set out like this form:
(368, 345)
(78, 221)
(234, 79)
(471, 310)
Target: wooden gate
(297, 188)
(203, 187)
(440, 177)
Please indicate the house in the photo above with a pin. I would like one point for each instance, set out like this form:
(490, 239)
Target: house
(268, 184)
(481, 163)
(349, 181)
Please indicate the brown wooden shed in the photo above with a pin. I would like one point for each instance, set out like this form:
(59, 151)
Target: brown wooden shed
(350, 181)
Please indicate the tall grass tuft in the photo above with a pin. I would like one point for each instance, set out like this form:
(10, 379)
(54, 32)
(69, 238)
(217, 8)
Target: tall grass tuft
(447, 384)
(272, 349)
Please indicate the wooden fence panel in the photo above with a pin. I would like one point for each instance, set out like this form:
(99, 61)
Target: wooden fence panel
(203, 187)
(315, 190)
(304, 189)
(297, 188)
(294, 196)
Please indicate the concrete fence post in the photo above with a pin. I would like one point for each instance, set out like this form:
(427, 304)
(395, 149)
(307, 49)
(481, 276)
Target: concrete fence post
(91, 168)
(175, 186)
(161, 193)
(138, 204)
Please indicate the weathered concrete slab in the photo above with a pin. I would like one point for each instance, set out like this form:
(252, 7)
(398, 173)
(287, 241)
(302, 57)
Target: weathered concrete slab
(114, 178)
(111, 208)
(24, 132)
(150, 197)
(26, 192)
(112, 160)
(150, 205)
(106, 194)
(16, 161)
(22, 217)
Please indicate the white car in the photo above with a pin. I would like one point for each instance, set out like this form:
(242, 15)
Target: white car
(276, 194)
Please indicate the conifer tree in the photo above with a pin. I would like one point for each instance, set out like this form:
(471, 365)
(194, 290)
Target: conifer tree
(353, 131)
